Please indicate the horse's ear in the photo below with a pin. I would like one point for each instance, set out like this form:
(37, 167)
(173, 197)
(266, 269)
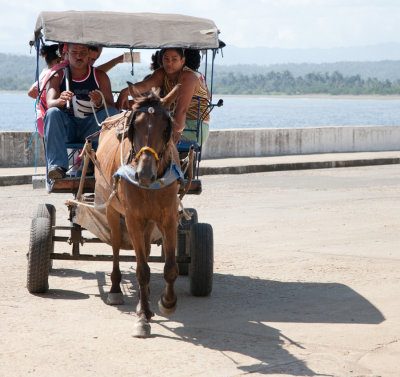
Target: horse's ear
(131, 126)
(170, 98)
(133, 91)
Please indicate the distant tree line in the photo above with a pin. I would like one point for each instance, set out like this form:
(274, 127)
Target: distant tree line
(18, 73)
(382, 70)
(312, 83)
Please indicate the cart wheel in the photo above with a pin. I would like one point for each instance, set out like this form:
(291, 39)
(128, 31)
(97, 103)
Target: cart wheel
(40, 245)
(183, 247)
(48, 211)
(202, 259)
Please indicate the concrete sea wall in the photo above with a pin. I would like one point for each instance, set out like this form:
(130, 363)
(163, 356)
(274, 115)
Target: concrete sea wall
(16, 151)
(293, 141)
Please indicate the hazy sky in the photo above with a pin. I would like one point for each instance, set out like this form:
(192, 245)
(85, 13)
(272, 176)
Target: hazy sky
(244, 23)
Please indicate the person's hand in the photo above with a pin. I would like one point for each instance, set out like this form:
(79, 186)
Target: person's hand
(123, 100)
(64, 97)
(95, 97)
(33, 92)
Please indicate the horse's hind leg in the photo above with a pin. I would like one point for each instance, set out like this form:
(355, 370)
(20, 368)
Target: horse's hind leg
(168, 300)
(115, 296)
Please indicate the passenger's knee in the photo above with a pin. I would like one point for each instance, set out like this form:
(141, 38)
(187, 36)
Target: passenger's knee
(51, 112)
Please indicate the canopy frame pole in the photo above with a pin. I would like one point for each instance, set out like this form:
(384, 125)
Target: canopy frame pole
(214, 53)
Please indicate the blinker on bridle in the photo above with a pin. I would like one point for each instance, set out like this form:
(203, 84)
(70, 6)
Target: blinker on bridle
(151, 110)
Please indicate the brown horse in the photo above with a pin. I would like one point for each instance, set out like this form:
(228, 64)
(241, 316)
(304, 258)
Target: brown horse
(150, 150)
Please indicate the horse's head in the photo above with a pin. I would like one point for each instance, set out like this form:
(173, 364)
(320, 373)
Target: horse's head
(149, 132)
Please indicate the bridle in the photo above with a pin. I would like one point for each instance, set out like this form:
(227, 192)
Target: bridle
(131, 129)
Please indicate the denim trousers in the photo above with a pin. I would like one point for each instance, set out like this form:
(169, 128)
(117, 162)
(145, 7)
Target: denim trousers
(61, 128)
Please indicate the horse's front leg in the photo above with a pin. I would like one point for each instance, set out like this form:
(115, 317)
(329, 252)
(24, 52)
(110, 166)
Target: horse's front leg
(168, 300)
(147, 233)
(137, 234)
(115, 296)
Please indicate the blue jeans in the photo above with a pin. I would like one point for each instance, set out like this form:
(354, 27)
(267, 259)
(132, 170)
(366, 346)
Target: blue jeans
(61, 128)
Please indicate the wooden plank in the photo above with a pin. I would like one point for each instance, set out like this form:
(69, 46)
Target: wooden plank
(71, 184)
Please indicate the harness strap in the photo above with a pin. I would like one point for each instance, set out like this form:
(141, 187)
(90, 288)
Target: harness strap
(152, 110)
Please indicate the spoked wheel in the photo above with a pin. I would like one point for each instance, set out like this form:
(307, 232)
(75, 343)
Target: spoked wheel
(202, 259)
(183, 245)
(48, 211)
(40, 246)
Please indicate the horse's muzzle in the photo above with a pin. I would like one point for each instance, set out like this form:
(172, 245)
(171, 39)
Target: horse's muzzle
(146, 172)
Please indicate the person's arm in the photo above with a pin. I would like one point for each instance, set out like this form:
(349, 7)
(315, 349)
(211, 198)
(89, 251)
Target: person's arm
(154, 80)
(53, 96)
(33, 91)
(105, 88)
(189, 84)
(111, 64)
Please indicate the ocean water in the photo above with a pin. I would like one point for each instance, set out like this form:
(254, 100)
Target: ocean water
(17, 112)
(288, 112)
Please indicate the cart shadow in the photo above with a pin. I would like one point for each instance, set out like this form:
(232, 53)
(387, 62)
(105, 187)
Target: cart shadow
(63, 294)
(232, 319)
(99, 277)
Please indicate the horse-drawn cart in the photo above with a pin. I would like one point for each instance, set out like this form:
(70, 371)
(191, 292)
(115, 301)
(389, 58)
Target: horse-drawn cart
(194, 240)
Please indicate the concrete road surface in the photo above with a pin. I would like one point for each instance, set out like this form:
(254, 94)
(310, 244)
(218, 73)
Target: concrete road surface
(306, 283)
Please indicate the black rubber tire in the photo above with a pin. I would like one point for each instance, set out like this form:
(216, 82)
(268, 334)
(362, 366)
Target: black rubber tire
(47, 211)
(40, 246)
(202, 259)
(181, 241)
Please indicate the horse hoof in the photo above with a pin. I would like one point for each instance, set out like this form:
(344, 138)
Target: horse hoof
(115, 299)
(164, 310)
(142, 329)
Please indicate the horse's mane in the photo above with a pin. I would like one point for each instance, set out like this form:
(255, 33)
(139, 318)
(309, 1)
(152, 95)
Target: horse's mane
(150, 99)
(153, 99)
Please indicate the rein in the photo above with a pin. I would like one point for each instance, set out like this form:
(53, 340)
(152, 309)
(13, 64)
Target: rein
(172, 173)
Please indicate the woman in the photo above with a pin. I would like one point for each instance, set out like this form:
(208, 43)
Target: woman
(172, 72)
(50, 54)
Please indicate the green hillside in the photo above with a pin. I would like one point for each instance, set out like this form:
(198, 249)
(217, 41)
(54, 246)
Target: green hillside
(17, 72)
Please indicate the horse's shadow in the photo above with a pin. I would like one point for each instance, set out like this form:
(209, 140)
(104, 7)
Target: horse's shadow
(232, 320)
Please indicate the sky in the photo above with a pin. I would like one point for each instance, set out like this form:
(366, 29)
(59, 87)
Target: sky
(243, 23)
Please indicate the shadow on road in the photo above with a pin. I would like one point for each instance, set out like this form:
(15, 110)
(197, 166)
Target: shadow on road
(232, 320)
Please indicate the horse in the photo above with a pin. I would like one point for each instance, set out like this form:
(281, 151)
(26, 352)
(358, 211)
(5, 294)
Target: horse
(148, 150)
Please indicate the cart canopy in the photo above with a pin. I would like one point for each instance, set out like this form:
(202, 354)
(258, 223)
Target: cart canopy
(128, 30)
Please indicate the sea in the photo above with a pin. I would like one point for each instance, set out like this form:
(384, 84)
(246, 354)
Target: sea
(17, 112)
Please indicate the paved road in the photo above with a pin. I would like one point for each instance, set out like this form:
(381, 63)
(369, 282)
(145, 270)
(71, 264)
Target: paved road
(23, 175)
(306, 283)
